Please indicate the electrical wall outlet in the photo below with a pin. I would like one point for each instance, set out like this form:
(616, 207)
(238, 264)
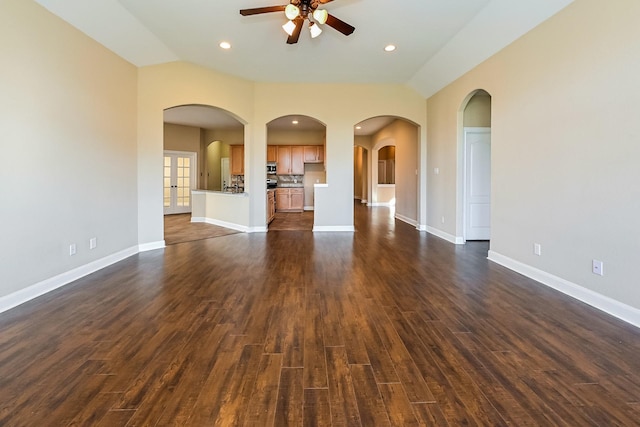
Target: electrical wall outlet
(72, 249)
(443, 220)
(93, 243)
(597, 267)
(537, 249)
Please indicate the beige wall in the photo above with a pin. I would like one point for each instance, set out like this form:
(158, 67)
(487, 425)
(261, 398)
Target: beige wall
(181, 138)
(293, 137)
(339, 107)
(565, 144)
(256, 104)
(170, 85)
(68, 120)
(216, 144)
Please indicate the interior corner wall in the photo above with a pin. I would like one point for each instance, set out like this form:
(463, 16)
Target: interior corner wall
(564, 147)
(68, 123)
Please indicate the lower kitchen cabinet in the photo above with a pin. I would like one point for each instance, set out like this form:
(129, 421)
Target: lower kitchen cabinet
(289, 199)
(271, 205)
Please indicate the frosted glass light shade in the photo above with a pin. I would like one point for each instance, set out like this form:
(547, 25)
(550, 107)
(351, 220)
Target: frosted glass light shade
(320, 15)
(315, 30)
(291, 11)
(289, 27)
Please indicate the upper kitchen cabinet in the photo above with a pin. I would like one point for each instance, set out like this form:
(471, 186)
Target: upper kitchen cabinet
(272, 153)
(237, 160)
(314, 154)
(290, 160)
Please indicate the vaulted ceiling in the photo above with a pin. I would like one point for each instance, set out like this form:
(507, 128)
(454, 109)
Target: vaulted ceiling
(437, 40)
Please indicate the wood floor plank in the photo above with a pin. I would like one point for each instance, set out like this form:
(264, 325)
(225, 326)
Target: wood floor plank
(344, 408)
(429, 415)
(289, 410)
(262, 405)
(317, 412)
(370, 403)
(408, 373)
(384, 326)
(399, 408)
(315, 364)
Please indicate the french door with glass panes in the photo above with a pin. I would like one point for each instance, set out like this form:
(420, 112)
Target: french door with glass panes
(179, 180)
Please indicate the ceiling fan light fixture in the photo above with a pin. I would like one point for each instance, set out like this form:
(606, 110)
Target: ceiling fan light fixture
(320, 15)
(291, 11)
(289, 27)
(315, 30)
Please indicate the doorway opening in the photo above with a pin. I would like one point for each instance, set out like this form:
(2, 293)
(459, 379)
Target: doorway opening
(386, 163)
(197, 141)
(296, 153)
(474, 167)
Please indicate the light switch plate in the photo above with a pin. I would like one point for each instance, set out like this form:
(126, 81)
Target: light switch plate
(597, 267)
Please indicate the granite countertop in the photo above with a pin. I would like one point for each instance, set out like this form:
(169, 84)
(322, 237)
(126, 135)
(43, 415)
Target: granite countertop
(290, 185)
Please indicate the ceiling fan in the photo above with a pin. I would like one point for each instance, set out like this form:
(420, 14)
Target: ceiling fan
(297, 11)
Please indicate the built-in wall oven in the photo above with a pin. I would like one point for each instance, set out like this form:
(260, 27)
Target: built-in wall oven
(272, 177)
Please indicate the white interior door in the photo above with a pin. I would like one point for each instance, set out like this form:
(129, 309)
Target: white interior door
(179, 179)
(477, 212)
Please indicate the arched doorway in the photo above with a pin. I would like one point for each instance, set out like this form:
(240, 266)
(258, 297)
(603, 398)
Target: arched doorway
(392, 144)
(296, 153)
(199, 143)
(474, 166)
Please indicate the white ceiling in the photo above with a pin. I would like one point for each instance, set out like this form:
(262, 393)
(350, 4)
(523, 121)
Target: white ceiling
(437, 40)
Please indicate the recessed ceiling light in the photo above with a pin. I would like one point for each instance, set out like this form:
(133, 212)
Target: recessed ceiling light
(295, 122)
(389, 48)
(358, 127)
(225, 45)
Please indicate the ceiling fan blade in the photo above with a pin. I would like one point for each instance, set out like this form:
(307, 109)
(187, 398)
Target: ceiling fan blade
(339, 25)
(259, 10)
(293, 38)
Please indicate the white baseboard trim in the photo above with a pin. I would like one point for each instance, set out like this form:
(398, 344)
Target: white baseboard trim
(421, 227)
(151, 246)
(260, 229)
(308, 208)
(613, 307)
(383, 204)
(407, 220)
(14, 299)
(443, 235)
(323, 228)
(225, 224)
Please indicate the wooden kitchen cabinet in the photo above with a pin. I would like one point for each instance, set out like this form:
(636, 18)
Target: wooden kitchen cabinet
(297, 199)
(237, 160)
(314, 154)
(272, 153)
(271, 205)
(290, 160)
(289, 199)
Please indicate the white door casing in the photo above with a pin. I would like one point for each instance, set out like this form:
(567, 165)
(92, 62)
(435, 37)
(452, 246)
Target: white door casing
(179, 179)
(477, 183)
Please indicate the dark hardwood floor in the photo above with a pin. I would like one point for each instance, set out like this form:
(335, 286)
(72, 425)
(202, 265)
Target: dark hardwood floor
(292, 221)
(178, 228)
(384, 326)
